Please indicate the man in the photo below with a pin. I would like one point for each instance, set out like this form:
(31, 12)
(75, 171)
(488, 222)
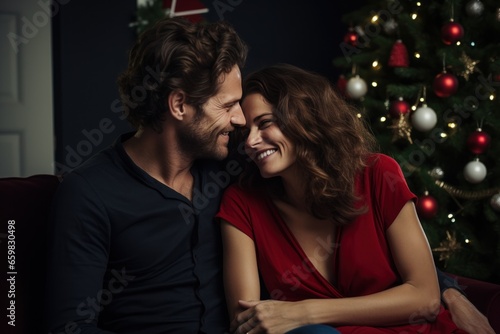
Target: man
(132, 233)
(134, 248)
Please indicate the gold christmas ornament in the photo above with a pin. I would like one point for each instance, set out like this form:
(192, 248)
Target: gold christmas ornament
(470, 66)
(447, 247)
(402, 128)
(467, 194)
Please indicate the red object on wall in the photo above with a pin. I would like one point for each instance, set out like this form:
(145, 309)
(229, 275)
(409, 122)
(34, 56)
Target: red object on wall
(399, 55)
(185, 5)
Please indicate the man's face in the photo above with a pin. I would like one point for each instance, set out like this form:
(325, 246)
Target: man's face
(207, 134)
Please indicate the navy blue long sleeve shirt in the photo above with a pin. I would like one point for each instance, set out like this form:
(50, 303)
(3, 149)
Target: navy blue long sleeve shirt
(130, 255)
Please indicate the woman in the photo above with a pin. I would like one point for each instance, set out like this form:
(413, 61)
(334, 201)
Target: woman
(330, 226)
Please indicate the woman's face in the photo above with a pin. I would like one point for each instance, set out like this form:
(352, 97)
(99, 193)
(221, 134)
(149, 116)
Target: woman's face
(266, 145)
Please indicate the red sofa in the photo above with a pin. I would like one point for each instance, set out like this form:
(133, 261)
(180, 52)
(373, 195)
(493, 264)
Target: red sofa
(25, 205)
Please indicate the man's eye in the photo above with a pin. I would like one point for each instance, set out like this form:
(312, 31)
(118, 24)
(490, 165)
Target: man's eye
(231, 106)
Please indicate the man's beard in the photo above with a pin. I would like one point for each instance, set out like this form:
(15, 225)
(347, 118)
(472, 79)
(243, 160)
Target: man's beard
(201, 142)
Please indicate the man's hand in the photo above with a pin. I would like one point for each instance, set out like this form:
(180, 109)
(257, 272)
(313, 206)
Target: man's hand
(465, 315)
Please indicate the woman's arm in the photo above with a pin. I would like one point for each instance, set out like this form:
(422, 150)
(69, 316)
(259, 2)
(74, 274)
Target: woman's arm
(415, 300)
(241, 276)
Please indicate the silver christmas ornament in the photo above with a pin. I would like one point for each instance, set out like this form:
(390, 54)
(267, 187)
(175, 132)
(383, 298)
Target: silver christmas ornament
(424, 118)
(475, 171)
(495, 202)
(390, 26)
(437, 173)
(474, 8)
(356, 87)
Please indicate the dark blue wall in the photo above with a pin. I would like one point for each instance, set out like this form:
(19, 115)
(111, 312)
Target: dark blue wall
(91, 39)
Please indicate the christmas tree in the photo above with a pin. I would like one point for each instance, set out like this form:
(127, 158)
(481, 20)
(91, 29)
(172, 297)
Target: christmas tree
(426, 77)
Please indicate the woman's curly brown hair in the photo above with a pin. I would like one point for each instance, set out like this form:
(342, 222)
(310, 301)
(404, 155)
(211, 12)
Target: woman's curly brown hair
(331, 142)
(176, 54)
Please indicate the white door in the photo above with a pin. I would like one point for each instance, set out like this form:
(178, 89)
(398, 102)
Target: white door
(26, 108)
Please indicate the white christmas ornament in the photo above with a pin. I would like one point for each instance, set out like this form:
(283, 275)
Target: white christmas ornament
(356, 87)
(495, 202)
(474, 8)
(424, 118)
(475, 171)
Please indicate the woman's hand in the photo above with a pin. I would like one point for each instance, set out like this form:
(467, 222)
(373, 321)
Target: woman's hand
(268, 316)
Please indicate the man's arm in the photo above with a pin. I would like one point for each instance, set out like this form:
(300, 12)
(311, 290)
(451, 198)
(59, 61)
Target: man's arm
(465, 315)
(77, 258)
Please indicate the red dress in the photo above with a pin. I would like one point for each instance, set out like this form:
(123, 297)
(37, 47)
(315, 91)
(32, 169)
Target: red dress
(362, 259)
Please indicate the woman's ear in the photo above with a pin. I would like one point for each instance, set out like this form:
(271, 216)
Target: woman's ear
(176, 103)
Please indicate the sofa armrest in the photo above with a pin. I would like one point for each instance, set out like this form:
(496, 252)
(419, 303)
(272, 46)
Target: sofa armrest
(25, 201)
(485, 296)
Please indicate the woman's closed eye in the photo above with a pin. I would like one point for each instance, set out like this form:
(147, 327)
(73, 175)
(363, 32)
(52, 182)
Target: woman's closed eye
(265, 123)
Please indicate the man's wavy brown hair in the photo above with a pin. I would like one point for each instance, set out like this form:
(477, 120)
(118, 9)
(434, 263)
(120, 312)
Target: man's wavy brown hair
(332, 144)
(176, 54)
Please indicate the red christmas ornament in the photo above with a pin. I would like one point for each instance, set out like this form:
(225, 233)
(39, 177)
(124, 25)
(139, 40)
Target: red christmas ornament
(351, 37)
(445, 84)
(452, 32)
(478, 141)
(399, 107)
(399, 55)
(342, 84)
(427, 207)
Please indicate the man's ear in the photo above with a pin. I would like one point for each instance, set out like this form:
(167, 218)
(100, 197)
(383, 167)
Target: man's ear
(176, 103)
